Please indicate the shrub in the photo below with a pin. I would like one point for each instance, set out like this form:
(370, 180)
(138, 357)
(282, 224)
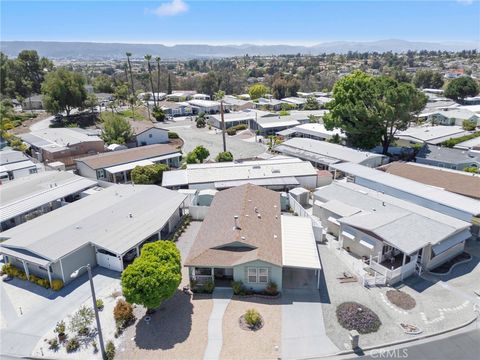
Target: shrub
(354, 316)
(231, 131)
(252, 318)
(469, 125)
(53, 344)
(110, 350)
(123, 313)
(13, 271)
(201, 123)
(401, 299)
(60, 328)
(237, 287)
(57, 284)
(471, 169)
(100, 304)
(173, 135)
(72, 345)
(208, 287)
(81, 320)
(224, 156)
(95, 346)
(272, 288)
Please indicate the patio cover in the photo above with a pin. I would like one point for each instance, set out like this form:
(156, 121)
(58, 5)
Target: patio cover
(129, 166)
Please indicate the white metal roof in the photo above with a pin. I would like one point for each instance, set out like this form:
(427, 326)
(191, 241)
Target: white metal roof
(299, 249)
(420, 190)
(116, 219)
(432, 134)
(30, 192)
(128, 166)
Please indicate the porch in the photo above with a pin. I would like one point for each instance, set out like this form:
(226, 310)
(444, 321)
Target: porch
(220, 276)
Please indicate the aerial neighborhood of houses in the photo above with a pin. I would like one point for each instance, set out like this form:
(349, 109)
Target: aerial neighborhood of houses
(237, 216)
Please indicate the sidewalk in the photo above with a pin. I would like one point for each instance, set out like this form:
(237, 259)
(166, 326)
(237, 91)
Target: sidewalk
(221, 298)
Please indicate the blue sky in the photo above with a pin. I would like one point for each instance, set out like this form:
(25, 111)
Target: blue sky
(241, 21)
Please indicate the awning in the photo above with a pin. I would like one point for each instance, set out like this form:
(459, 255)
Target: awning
(333, 221)
(165, 157)
(278, 181)
(451, 242)
(366, 244)
(347, 234)
(129, 166)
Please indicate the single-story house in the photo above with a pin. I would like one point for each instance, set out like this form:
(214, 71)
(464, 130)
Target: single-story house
(459, 182)
(34, 102)
(180, 95)
(448, 158)
(434, 198)
(453, 116)
(176, 108)
(204, 106)
(145, 133)
(281, 173)
(269, 104)
(15, 164)
(62, 144)
(323, 154)
(233, 103)
(115, 166)
(33, 195)
(231, 119)
(393, 237)
(201, 97)
(244, 237)
(314, 131)
(107, 229)
(297, 102)
(433, 135)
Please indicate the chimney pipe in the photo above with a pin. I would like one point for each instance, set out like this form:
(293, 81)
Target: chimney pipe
(236, 222)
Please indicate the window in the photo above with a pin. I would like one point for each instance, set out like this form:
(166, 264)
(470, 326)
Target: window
(32, 171)
(257, 275)
(150, 135)
(252, 275)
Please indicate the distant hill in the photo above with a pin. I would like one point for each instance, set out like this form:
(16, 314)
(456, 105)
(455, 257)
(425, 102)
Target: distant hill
(98, 51)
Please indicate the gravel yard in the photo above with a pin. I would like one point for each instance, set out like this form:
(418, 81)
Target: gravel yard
(178, 330)
(260, 344)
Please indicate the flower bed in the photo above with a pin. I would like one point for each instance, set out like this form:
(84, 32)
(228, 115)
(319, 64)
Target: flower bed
(13, 271)
(355, 316)
(447, 266)
(401, 299)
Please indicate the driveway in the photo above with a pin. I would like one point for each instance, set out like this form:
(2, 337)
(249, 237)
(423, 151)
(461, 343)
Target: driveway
(21, 333)
(184, 243)
(303, 330)
(212, 140)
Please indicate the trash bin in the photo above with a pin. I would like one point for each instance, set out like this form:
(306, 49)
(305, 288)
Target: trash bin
(354, 337)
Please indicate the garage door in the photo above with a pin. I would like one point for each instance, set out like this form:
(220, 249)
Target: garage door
(109, 260)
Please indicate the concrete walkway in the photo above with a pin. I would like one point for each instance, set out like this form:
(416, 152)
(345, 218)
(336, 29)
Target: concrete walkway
(221, 297)
(303, 329)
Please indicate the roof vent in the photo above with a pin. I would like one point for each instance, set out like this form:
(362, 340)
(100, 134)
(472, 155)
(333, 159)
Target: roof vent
(256, 209)
(275, 236)
(235, 218)
(256, 167)
(243, 238)
(130, 215)
(259, 216)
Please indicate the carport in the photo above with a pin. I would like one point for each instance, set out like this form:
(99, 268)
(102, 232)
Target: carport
(301, 262)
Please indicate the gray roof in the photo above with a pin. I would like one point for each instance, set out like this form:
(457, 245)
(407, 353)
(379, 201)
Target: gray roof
(9, 156)
(446, 198)
(30, 192)
(57, 139)
(116, 219)
(447, 155)
(431, 134)
(404, 225)
(322, 151)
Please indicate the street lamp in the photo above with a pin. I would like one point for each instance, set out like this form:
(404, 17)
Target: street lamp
(94, 299)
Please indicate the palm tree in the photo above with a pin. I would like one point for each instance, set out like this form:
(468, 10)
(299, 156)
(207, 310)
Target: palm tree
(148, 58)
(131, 80)
(157, 59)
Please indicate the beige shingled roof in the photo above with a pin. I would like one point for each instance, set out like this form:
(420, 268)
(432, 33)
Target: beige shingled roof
(453, 181)
(259, 229)
(113, 158)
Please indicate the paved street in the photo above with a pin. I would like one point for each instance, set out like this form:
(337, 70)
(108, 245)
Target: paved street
(212, 140)
(303, 330)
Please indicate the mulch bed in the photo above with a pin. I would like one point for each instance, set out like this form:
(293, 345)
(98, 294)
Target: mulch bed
(445, 267)
(244, 326)
(401, 299)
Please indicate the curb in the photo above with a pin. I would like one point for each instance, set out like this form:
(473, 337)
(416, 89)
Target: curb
(409, 340)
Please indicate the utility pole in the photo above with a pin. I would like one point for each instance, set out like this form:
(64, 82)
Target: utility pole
(223, 126)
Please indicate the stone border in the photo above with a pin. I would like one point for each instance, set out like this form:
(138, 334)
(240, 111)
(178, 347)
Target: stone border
(260, 296)
(453, 266)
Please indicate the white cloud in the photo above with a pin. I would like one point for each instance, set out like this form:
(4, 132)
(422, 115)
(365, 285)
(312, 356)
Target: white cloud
(465, 2)
(172, 8)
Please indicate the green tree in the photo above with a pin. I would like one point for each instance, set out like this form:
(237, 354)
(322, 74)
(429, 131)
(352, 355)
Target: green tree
(224, 156)
(201, 152)
(370, 110)
(149, 174)
(149, 67)
(460, 88)
(219, 95)
(116, 129)
(311, 104)
(169, 84)
(158, 113)
(209, 84)
(6, 124)
(63, 90)
(191, 158)
(154, 276)
(91, 102)
(121, 93)
(424, 79)
(469, 125)
(103, 84)
(257, 91)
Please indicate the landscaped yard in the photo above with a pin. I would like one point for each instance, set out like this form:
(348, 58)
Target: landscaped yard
(247, 344)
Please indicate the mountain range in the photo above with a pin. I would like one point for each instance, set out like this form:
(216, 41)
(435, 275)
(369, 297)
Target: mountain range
(99, 51)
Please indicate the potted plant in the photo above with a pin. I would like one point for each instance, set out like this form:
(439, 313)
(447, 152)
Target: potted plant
(60, 330)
